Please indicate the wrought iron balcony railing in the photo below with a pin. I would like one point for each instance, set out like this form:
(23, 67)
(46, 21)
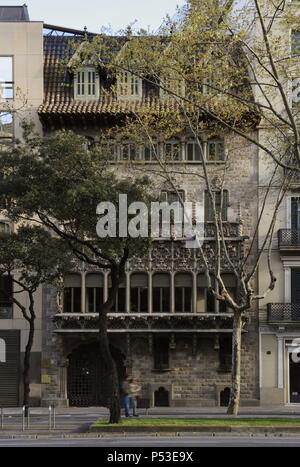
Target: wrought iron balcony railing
(289, 239)
(284, 312)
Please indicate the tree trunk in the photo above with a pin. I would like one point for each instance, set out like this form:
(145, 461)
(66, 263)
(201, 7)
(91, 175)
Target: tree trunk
(26, 372)
(234, 402)
(110, 369)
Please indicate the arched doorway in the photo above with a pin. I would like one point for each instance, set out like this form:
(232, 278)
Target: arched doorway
(86, 382)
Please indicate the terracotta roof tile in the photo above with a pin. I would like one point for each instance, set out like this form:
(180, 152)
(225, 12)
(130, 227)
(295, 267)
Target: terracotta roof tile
(58, 85)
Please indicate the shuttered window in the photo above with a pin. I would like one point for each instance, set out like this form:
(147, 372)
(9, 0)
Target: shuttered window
(120, 303)
(183, 293)
(72, 293)
(94, 292)
(161, 292)
(139, 293)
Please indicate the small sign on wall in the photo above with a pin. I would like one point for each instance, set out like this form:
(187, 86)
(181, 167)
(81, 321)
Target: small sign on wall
(2, 351)
(46, 379)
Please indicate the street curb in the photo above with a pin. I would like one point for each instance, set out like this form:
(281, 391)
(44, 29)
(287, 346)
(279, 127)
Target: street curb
(192, 429)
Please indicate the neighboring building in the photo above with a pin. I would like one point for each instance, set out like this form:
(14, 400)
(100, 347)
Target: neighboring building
(166, 328)
(280, 311)
(21, 94)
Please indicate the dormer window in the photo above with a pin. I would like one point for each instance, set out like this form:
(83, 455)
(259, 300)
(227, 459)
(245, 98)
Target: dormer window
(129, 85)
(87, 84)
(172, 86)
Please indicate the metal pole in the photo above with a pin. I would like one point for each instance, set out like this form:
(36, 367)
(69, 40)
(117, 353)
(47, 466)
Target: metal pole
(28, 419)
(2, 418)
(54, 418)
(23, 419)
(50, 424)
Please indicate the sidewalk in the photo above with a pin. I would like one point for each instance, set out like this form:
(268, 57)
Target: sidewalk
(71, 412)
(75, 422)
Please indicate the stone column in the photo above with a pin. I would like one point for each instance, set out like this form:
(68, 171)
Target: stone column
(83, 292)
(150, 302)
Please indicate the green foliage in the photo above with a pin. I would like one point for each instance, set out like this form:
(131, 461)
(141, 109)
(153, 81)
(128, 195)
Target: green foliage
(34, 255)
(60, 181)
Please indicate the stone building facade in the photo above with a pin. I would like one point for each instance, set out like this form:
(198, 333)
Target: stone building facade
(166, 329)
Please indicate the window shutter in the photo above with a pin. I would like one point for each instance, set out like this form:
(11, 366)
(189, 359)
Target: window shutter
(202, 281)
(139, 280)
(161, 280)
(183, 280)
(121, 286)
(229, 280)
(95, 280)
(72, 280)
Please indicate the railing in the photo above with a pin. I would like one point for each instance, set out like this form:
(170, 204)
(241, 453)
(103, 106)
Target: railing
(289, 238)
(284, 312)
(144, 322)
(16, 419)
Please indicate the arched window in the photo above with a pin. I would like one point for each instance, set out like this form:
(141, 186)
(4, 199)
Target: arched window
(94, 292)
(72, 293)
(183, 293)
(120, 303)
(161, 292)
(139, 293)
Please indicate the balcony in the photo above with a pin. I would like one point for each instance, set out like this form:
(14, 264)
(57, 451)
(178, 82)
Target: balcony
(289, 241)
(146, 323)
(284, 313)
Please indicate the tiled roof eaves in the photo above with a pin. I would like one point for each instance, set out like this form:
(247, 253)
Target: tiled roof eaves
(107, 107)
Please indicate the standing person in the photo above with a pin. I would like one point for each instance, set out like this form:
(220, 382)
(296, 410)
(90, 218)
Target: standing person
(131, 388)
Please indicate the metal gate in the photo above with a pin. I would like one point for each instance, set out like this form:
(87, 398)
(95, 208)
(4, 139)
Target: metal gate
(9, 368)
(86, 380)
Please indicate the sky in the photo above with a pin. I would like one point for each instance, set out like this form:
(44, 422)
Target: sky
(98, 13)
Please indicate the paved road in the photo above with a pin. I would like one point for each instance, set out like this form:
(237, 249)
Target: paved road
(154, 442)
